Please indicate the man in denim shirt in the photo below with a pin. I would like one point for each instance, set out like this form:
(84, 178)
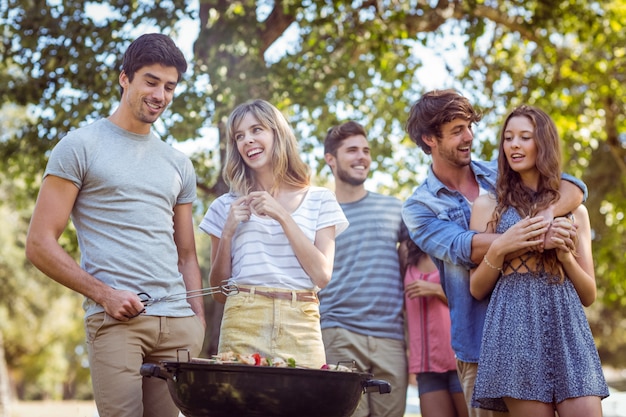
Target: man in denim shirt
(438, 213)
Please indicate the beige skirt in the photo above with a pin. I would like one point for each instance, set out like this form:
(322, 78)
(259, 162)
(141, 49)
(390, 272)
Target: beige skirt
(274, 323)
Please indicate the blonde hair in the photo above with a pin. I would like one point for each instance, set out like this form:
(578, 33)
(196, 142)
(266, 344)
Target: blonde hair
(289, 168)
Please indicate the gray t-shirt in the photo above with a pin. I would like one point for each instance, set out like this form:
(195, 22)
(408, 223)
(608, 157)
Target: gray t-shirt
(366, 292)
(128, 187)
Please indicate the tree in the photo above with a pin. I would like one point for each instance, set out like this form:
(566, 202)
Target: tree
(569, 61)
(322, 61)
(40, 324)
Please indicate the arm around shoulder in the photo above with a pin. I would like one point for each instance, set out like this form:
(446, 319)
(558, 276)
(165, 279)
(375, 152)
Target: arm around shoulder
(440, 231)
(573, 193)
(484, 277)
(482, 212)
(579, 266)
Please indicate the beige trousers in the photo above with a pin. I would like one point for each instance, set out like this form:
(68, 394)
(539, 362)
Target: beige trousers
(467, 376)
(118, 349)
(384, 358)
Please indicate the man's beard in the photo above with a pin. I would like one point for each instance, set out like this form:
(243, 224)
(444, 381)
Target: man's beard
(451, 156)
(345, 177)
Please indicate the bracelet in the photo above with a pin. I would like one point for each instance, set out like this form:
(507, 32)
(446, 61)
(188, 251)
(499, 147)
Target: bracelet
(490, 265)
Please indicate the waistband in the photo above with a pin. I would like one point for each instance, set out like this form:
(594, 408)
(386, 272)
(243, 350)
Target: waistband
(294, 295)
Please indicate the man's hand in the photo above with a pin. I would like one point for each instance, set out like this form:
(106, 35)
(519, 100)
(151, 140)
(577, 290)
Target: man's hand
(562, 235)
(122, 305)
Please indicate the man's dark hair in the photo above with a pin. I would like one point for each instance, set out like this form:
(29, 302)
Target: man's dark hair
(433, 110)
(153, 48)
(337, 134)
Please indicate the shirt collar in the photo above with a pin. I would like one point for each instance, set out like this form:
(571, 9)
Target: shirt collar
(481, 170)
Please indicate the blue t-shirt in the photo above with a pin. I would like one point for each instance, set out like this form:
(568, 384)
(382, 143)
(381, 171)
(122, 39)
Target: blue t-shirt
(365, 294)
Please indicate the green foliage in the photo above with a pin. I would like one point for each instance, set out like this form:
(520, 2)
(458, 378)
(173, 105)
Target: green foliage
(568, 60)
(41, 322)
(321, 62)
(60, 65)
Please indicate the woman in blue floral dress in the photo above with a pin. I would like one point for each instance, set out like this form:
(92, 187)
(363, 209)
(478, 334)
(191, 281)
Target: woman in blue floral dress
(538, 354)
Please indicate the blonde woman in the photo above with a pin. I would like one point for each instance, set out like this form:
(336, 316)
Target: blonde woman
(273, 235)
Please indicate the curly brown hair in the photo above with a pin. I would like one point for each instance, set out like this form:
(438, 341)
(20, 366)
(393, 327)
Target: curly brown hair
(510, 189)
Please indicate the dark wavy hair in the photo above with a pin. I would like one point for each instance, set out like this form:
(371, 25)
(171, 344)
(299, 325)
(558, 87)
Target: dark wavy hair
(153, 48)
(414, 252)
(433, 110)
(511, 191)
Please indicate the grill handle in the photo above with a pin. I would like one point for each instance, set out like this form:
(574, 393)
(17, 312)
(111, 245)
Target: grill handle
(153, 370)
(373, 385)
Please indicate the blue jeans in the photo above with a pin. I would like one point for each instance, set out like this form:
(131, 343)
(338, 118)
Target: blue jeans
(438, 381)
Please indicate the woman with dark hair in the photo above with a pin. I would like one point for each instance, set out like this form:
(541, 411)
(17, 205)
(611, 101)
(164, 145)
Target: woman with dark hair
(431, 357)
(537, 353)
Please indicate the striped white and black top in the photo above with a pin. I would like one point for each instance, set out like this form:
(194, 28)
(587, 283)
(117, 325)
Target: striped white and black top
(261, 253)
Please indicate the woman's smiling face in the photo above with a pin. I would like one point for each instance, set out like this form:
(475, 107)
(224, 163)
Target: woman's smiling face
(519, 144)
(255, 142)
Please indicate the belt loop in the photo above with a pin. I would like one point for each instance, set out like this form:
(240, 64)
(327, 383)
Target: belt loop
(252, 291)
(294, 298)
(164, 325)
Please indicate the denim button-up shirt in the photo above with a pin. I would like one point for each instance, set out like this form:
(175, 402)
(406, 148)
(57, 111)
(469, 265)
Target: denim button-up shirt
(438, 222)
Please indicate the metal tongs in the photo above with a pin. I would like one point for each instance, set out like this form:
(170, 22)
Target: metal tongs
(226, 289)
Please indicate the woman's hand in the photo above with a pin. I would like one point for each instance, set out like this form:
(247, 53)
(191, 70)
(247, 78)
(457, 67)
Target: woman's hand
(239, 212)
(421, 288)
(525, 234)
(263, 204)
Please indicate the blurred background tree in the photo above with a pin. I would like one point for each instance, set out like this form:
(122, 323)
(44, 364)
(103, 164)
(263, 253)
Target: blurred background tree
(321, 62)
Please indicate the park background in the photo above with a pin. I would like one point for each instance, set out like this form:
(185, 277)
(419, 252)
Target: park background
(321, 62)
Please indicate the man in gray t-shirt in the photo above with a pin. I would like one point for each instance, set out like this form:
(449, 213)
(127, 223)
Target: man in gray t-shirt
(129, 196)
(362, 306)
